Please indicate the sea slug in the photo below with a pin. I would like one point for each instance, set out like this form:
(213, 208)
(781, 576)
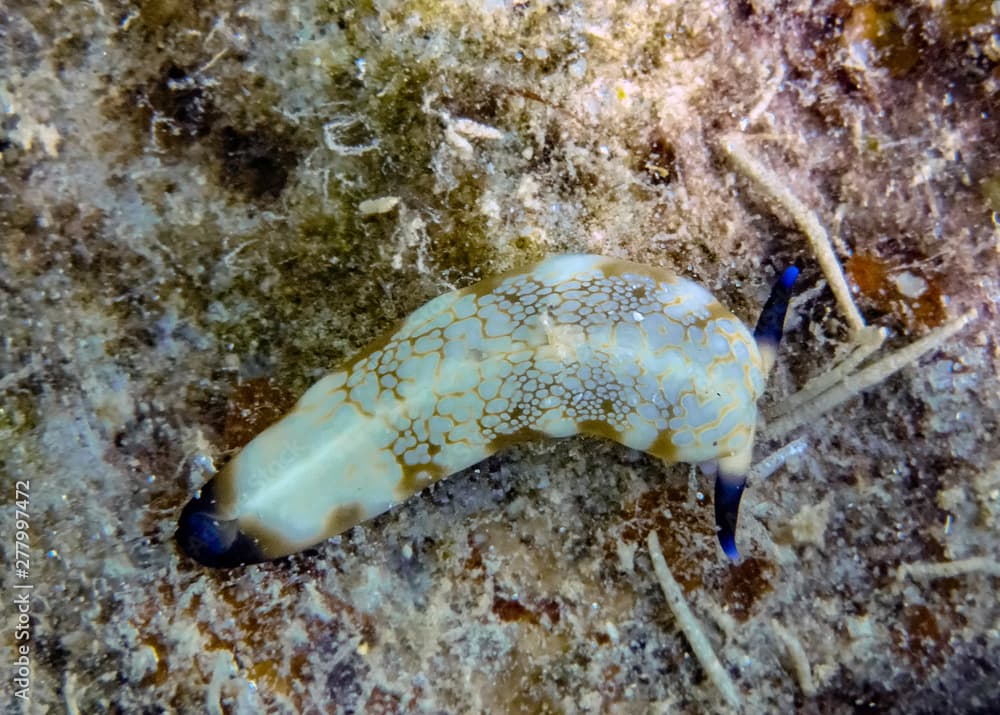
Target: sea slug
(576, 344)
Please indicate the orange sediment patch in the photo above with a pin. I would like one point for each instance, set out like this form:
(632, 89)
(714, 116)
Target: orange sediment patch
(882, 285)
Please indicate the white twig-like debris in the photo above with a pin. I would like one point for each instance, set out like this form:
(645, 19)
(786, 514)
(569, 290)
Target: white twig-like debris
(71, 698)
(382, 205)
(726, 623)
(866, 343)
(773, 187)
(797, 655)
(770, 92)
(690, 626)
(871, 375)
(776, 459)
(475, 130)
(335, 130)
(458, 129)
(928, 570)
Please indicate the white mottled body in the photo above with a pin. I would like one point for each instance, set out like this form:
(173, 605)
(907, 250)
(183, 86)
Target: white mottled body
(576, 344)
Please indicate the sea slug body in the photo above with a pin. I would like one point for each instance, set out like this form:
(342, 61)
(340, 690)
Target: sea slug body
(575, 344)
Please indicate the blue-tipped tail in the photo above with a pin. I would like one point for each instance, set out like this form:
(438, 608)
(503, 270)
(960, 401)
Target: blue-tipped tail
(772, 318)
(728, 493)
(771, 323)
(788, 277)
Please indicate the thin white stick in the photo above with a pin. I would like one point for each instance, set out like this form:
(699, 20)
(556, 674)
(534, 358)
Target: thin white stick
(948, 569)
(797, 655)
(770, 92)
(868, 340)
(775, 460)
(772, 186)
(872, 375)
(690, 626)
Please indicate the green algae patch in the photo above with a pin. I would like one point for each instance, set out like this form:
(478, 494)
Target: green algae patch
(989, 188)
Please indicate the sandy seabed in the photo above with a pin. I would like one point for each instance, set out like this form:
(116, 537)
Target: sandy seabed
(204, 210)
